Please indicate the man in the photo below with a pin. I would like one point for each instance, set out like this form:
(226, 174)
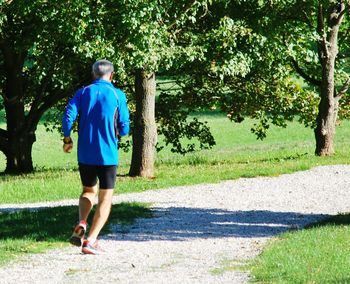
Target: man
(103, 117)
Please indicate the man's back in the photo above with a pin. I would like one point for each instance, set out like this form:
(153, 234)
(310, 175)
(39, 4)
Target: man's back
(102, 109)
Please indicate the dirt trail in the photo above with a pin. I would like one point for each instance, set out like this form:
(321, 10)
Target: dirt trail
(198, 233)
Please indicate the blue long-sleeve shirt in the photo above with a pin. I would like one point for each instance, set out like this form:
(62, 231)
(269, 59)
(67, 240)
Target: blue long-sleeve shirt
(103, 115)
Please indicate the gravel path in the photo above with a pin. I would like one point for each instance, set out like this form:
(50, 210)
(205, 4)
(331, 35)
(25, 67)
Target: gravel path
(195, 231)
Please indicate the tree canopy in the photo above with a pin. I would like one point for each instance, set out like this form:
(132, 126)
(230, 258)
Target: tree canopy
(47, 48)
(264, 60)
(269, 60)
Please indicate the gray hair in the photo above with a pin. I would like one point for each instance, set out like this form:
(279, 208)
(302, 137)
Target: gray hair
(102, 67)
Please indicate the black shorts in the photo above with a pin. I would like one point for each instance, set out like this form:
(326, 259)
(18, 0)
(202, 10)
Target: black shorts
(105, 174)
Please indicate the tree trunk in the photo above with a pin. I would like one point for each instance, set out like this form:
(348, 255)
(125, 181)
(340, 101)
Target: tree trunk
(19, 154)
(326, 121)
(328, 107)
(327, 110)
(145, 129)
(18, 139)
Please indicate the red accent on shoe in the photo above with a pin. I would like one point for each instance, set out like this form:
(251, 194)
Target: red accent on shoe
(78, 234)
(89, 248)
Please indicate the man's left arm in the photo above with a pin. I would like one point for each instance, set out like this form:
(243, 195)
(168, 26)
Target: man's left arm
(69, 116)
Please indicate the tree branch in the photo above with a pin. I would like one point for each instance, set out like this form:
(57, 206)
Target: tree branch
(322, 33)
(34, 117)
(308, 20)
(300, 71)
(320, 19)
(303, 74)
(340, 12)
(343, 89)
(184, 11)
(55, 95)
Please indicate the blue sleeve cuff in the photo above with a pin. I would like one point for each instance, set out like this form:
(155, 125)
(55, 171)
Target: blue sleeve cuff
(124, 129)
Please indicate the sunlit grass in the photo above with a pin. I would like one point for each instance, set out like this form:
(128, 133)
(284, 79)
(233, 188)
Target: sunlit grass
(26, 232)
(320, 254)
(237, 154)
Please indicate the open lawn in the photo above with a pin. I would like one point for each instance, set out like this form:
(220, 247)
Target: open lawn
(237, 154)
(297, 257)
(318, 254)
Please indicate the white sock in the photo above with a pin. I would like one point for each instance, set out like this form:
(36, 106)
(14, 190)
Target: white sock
(91, 240)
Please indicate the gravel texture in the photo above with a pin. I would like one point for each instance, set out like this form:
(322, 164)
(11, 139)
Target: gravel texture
(196, 231)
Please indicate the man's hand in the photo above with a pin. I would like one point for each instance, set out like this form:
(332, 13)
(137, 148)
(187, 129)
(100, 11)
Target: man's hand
(67, 144)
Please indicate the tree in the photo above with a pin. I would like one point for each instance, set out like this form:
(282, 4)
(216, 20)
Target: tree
(40, 64)
(254, 52)
(46, 50)
(315, 57)
(147, 40)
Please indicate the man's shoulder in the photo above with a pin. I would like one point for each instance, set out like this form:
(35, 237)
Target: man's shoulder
(105, 87)
(82, 89)
(120, 93)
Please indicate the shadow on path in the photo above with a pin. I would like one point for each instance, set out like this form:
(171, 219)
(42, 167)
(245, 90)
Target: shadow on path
(135, 222)
(181, 223)
(56, 223)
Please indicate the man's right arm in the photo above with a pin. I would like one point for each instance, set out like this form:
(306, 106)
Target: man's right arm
(69, 116)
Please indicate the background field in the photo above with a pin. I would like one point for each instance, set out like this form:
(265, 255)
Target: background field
(237, 154)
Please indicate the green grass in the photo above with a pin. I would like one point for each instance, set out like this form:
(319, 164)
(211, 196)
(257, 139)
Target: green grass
(317, 251)
(237, 154)
(319, 254)
(230, 265)
(27, 232)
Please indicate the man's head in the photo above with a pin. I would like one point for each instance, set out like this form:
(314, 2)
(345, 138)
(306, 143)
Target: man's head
(103, 69)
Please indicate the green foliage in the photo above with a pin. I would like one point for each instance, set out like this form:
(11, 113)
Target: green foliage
(236, 56)
(133, 34)
(42, 36)
(251, 51)
(152, 34)
(224, 42)
(172, 116)
(237, 154)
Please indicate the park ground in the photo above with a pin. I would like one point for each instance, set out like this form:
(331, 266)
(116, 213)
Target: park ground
(236, 155)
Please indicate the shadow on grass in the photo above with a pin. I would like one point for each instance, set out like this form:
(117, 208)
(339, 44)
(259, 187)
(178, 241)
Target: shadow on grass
(174, 223)
(339, 281)
(52, 171)
(183, 223)
(38, 173)
(56, 224)
(338, 220)
(296, 156)
(196, 160)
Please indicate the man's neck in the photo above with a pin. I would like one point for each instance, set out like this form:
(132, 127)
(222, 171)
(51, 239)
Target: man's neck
(105, 77)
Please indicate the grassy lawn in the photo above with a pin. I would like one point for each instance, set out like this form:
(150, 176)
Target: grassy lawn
(308, 256)
(27, 232)
(237, 154)
(319, 254)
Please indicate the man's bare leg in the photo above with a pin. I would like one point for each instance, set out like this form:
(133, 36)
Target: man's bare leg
(102, 212)
(86, 202)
